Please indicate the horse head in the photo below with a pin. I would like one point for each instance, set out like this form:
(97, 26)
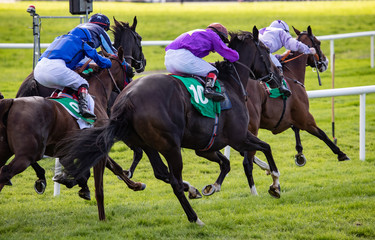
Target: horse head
(254, 60)
(319, 60)
(130, 40)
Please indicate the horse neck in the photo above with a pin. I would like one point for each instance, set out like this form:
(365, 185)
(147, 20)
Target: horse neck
(101, 86)
(296, 69)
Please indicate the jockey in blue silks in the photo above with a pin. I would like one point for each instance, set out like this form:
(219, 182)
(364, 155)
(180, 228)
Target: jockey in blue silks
(55, 68)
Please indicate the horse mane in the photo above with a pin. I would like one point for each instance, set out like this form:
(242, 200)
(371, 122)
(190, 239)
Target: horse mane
(118, 28)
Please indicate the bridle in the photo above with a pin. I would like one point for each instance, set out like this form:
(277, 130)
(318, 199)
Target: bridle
(139, 45)
(123, 67)
(268, 77)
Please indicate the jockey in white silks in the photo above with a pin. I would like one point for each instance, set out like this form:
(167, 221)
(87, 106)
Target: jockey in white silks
(277, 36)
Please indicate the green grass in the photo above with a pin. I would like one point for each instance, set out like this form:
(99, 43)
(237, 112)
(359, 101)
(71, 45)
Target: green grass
(325, 199)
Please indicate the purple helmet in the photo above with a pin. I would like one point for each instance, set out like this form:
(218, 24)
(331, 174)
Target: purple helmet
(101, 20)
(280, 24)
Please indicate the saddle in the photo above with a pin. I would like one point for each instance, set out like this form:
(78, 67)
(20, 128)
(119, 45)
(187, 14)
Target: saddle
(68, 98)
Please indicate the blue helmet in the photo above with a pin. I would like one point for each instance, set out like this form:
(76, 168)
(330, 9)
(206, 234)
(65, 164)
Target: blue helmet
(101, 20)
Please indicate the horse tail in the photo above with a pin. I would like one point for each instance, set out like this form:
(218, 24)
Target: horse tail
(5, 105)
(28, 87)
(79, 152)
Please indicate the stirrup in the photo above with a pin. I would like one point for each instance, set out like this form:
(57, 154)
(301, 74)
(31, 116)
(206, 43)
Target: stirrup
(215, 96)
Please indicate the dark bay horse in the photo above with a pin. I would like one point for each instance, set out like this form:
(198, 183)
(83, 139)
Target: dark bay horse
(125, 36)
(271, 113)
(34, 125)
(155, 113)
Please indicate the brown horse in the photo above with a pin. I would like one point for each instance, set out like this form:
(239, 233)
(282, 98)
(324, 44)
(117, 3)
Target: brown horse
(155, 113)
(124, 36)
(277, 115)
(34, 125)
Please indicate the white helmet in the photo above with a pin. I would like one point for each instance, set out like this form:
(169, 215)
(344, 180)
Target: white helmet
(280, 24)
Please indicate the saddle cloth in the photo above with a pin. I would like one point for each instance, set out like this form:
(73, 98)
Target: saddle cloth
(205, 106)
(274, 92)
(71, 105)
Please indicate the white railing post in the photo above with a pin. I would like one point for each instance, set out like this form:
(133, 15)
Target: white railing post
(56, 189)
(362, 126)
(372, 51)
(332, 53)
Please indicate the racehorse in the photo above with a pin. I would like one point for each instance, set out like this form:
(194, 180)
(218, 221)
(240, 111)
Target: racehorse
(277, 115)
(124, 36)
(34, 125)
(155, 113)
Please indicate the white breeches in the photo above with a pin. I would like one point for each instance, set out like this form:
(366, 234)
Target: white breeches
(275, 60)
(182, 61)
(53, 73)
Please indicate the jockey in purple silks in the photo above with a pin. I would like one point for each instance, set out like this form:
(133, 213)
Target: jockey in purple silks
(277, 36)
(184, 55)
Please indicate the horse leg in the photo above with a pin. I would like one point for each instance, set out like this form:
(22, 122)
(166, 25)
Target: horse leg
(248, 168)
(137, 156)
(5, 154)
(224, 163)
(40, 184)
(117, 170)
(16, 166)
(82, 182)
(299, 158)
(317, 132)
(253, 143)
(174, 159)
(99, 195)
(160, 169)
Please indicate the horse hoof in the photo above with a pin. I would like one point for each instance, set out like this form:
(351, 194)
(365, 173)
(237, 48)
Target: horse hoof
(300, 160)
(143, 186)
(9, 183)
(194, 194)
(85, 194)
(274, 192)
(65, 180)
(40, 186)
(208, 190)
(199, 222)
(343, 158)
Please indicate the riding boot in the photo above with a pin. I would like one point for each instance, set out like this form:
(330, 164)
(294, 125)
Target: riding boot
(283, 89)
(82, 103)
(209, 91)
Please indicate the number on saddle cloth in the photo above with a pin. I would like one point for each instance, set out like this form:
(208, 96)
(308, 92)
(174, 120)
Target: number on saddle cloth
(69, 100)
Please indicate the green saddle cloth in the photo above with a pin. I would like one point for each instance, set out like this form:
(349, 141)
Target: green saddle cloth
(275, 92)
(205, 106)
(71, 106)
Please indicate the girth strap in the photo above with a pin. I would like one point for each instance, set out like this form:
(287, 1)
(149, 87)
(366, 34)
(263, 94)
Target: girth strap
(211, 142)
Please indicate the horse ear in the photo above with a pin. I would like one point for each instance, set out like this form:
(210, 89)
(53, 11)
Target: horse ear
(309, 31)
(298, 32)
(255, 33)
(120, 53)
(134, 23)
(116, 22)
(105, 53)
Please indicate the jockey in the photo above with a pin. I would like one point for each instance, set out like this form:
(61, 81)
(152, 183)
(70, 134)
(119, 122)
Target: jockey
(184, 55)
(277, 36)
(55, 68)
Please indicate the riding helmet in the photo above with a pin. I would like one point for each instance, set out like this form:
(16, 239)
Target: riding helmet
(220, 30)
(101, 20)
(280, 24)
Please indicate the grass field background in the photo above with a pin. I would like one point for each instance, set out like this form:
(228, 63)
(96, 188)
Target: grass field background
(325, 199)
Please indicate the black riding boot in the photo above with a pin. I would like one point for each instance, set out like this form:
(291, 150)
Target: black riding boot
(82, 103)
(283, 89)
(209, 91)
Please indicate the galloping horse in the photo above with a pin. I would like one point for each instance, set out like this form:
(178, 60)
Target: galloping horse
(277, 115)
(34, 125)
(155, 113)
(124, 36)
